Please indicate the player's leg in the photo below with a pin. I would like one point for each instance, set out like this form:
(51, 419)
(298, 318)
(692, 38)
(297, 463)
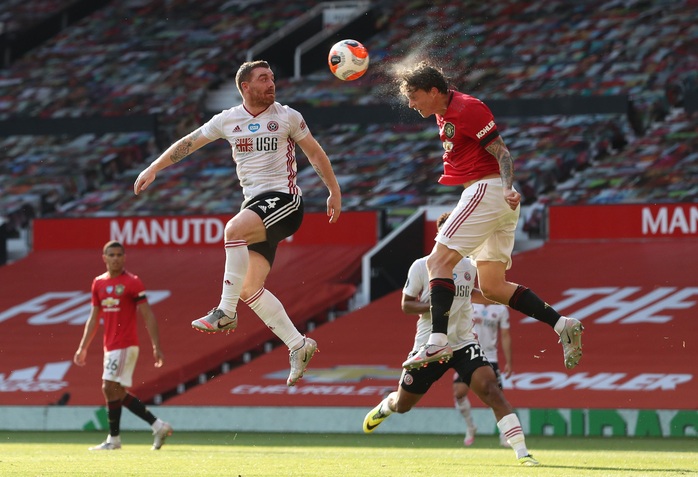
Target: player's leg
(243, 229)
(414, 383)
(483, 382)
(440, 263)
(495, 287)
(272, 313)
(498, 374)
(281, 221)
(400, 401)
(113, 369)
(460, 398)
(472, 221)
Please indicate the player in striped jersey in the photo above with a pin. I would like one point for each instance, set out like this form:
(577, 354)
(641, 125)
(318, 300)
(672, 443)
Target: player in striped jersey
(263, 135)
(469, 360)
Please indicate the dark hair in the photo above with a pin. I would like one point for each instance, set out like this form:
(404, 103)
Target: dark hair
(245, 72)
(422, 76)
(112, 244)
(442, 218)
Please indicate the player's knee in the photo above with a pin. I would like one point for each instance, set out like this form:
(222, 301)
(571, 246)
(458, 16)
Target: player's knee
(487, 386)
(439, 262)
(494, 291)
(232, 233)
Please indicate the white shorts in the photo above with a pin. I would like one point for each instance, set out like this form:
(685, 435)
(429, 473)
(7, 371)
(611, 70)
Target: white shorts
(119, 365)
(482, 225)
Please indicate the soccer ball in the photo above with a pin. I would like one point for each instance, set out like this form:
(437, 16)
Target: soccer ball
(348, 60)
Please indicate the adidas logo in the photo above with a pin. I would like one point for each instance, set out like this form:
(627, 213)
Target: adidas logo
(237, 129)
(46, 378)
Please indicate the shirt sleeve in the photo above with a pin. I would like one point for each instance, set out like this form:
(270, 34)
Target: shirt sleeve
(298, 129)
(480, 124)
(415, 284)
(213, 128)
(95, 296)
(138, 290)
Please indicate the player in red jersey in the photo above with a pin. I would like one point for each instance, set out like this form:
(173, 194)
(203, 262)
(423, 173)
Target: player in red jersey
(484, 222)
(117, 297)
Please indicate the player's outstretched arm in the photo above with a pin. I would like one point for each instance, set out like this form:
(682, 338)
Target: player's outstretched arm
(321, 163)
(175, 153)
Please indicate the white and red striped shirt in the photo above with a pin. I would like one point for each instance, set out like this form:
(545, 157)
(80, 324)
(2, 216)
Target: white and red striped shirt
(264, 146)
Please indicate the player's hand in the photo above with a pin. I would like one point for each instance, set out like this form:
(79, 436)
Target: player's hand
(80, 357)
(159, 357)
(144, 179)
(507, 370)
(512, 198)
(334, 207)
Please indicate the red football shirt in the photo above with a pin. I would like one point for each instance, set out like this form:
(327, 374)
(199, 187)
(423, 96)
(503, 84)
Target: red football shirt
(465, 130)
(118, 298)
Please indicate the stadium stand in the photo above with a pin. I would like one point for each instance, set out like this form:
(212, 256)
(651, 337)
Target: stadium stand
(122, 72)
(142, 58)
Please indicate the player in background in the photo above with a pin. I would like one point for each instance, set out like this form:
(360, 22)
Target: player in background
(117, 297)
(483, 223)
(263, 135)
(489, 320)
(468, 360)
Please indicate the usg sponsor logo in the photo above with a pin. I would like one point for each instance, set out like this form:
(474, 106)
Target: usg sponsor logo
(46, 378)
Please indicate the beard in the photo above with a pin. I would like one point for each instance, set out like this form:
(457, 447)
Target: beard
(262, 99)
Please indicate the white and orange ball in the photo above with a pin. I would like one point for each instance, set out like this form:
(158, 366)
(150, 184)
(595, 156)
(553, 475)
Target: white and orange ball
(348, 60)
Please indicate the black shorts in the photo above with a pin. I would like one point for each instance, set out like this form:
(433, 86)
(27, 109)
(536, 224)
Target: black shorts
(495, 366)
(465, 361)
(282, 215)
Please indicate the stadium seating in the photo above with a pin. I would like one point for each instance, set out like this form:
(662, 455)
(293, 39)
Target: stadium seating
(164, 57)
(16, 15)
(133, 58)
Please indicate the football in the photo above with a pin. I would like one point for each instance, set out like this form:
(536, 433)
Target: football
(348, 60)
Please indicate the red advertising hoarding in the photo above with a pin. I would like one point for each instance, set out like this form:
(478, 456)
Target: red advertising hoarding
(623, 221)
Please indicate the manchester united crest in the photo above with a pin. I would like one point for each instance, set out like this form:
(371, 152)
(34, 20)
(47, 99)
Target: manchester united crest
(449, 130)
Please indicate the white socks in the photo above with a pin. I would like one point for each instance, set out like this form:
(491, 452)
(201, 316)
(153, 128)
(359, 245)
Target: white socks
(510, 427)
(560, 325)
(157, 425)
(237, 259)
(439, 339)
(463, 406)
(272, 313)
(384, 406)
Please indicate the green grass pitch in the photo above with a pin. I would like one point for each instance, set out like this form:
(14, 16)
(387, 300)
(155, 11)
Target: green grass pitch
(39, 454)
